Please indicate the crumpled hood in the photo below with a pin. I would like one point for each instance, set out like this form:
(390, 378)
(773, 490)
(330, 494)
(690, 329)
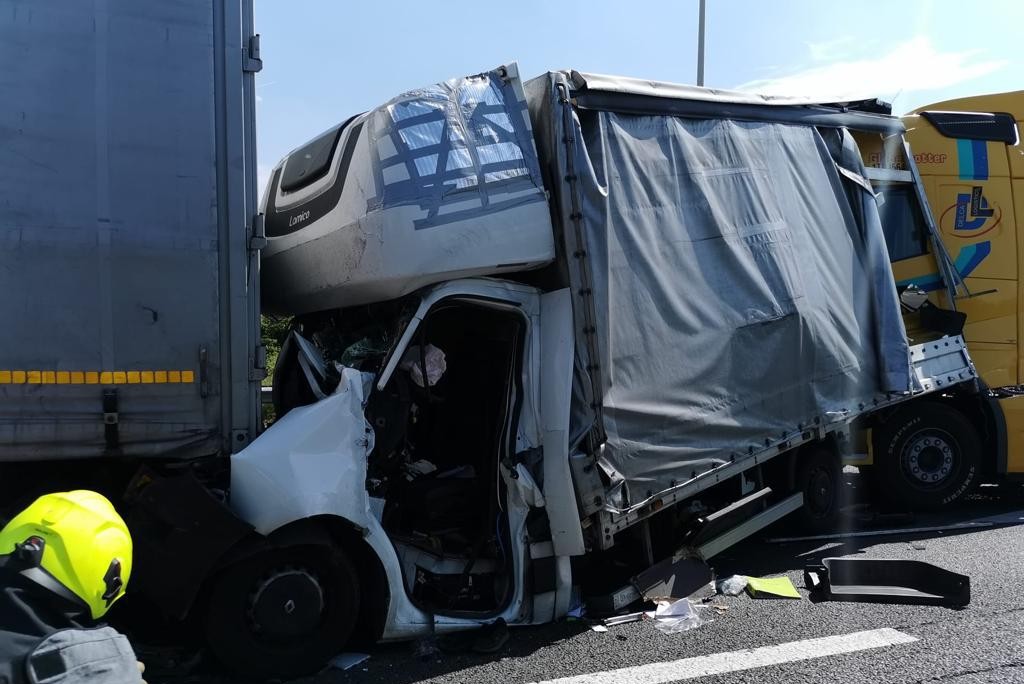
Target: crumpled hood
(311, 461)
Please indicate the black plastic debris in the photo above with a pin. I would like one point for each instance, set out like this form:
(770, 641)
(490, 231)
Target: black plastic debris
(886, 581)
(678, 576)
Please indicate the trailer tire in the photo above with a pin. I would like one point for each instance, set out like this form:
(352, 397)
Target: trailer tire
(819, 477)
(927, 455)
(282, 613)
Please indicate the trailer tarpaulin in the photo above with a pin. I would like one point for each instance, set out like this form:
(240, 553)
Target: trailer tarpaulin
(730, 284)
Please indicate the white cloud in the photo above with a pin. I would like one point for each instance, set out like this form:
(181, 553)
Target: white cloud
(832, 49)
(914, 65)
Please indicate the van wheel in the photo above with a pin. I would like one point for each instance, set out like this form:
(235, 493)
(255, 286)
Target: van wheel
(927, 455)
(283, 613)
(819, 477)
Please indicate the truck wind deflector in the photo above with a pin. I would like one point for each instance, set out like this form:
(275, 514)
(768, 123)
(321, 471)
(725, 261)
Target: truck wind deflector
(887, 581)
(994, 127)
(310, 163)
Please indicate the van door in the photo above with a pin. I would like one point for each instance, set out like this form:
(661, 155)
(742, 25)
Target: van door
(556, 367)
(556, 349)
(462, 482)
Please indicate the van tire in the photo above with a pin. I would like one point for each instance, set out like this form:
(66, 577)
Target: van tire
(282, 613)
(819, 477)
(927, 456)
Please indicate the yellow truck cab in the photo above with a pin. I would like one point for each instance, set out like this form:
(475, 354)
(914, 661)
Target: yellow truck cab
(970, 164)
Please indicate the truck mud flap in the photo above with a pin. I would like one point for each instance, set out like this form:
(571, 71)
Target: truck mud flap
(179, 532)
(886, 581)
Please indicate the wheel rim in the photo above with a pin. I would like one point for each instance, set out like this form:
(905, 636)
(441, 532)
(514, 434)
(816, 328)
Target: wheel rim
(820, 490)
(286, 605)
(930, 458)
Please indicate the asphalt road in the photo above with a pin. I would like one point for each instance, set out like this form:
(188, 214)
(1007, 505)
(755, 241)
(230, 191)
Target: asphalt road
(981, 643)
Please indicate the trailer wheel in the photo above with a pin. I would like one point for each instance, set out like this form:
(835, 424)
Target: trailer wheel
(282, 614)
(927, 455)
(819, 476)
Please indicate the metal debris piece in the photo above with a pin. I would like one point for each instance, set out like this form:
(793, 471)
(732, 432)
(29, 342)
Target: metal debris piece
(623, 619)
(887, 581)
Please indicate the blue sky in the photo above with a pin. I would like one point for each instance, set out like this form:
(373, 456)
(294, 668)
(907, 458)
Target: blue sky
(325, 60)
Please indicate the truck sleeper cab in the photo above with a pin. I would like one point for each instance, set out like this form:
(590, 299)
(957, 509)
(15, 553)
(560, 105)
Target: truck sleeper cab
(952, 211)
(488, 392)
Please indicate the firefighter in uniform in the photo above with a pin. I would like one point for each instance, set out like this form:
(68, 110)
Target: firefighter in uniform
(64, 561)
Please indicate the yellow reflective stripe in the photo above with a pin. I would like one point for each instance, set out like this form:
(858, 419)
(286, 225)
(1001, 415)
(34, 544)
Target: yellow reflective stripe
(120, 377)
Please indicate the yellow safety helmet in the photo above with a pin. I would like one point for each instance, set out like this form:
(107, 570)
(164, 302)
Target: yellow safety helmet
(74, 544)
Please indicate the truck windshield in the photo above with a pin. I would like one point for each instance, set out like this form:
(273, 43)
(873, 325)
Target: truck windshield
(902, 222)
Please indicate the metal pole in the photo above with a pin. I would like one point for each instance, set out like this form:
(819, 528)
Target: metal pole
(700, 46)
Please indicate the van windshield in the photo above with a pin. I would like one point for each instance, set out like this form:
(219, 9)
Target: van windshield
(362, 337)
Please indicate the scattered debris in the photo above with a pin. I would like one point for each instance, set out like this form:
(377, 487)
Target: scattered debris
(598, 627)
(672, 617)
(918, 545)
(623, 619)
(772, 587)
(719, 608)
(887, 581)
(345, 661)
(677, 576)
(732, 586)
(705, 593)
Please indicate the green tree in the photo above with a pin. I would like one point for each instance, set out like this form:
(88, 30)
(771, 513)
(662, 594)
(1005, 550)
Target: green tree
(274, 330)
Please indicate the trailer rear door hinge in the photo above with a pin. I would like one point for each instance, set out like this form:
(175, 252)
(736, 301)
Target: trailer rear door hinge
(251, 62)
(111, 420)
(258, 237)
(204, 372)
(258, 370)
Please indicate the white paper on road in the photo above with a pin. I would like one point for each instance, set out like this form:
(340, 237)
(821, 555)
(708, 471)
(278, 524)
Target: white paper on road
(672, 617)
(746, 659)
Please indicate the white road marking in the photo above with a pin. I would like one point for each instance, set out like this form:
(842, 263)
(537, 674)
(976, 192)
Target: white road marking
(747, 659)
